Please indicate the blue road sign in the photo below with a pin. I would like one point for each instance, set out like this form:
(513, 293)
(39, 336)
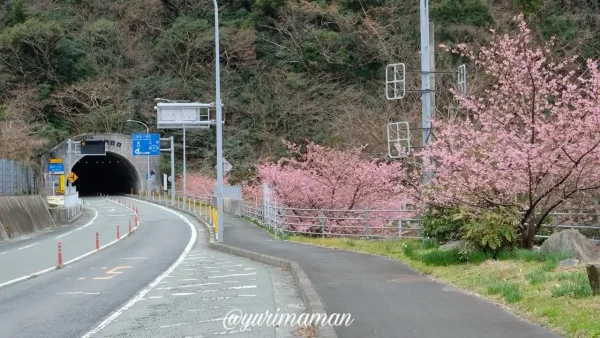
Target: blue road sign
(56, 168)
(145, 144)
(52, 178)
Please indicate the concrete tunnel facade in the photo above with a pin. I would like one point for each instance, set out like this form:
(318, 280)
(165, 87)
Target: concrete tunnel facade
(115, 173)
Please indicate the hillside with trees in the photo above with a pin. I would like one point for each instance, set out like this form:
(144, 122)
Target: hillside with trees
(298, 70)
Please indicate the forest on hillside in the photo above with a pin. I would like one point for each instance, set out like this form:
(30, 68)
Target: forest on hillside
(297, 70)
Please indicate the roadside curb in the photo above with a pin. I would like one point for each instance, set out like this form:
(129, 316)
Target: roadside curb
(309, 295)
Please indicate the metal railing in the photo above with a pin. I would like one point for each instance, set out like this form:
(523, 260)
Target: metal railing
(345, 223)
(335, 222)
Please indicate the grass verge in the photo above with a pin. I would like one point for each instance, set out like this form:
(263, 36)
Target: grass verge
(528, 282)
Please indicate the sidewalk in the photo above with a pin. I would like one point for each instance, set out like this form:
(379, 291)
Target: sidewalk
(386, 298)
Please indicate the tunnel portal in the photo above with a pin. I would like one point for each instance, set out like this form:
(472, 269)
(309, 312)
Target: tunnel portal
(109, 174)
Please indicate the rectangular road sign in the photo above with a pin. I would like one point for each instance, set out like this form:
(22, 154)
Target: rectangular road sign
(145, 144)
(62, 182)
(56, 160)
(56, 168)
(93, 147)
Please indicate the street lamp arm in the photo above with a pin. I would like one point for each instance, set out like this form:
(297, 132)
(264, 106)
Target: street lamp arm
(142, 123)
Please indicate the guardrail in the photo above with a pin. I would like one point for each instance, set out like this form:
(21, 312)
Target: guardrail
(344, 223)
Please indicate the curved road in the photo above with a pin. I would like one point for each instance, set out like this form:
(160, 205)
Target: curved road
(71, 301)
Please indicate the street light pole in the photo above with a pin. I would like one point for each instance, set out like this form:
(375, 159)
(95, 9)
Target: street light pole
(147, 158)
(219, 129)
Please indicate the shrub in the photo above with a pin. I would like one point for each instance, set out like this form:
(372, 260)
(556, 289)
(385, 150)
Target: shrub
(441, 224)
(489, 230)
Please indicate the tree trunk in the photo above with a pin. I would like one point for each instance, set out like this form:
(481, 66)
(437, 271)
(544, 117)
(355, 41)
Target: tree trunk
(528, 235)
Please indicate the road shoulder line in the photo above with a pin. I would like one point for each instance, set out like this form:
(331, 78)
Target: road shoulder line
(158, 279)
(311, 299)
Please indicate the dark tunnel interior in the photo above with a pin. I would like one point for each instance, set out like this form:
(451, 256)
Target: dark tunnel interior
(110, 174)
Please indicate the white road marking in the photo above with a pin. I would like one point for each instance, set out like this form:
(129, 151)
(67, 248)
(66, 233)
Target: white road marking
(249, 269)
(36, 274)
(242, 287)
(158, 279)
(3, 253)
(196, 322)
(218, 267)
(187, 279)
(183, 294)
(213, 308)
(234, 275)
(28, 246)
(155, 297)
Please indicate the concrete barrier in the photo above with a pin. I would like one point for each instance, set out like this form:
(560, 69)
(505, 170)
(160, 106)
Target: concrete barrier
(231, 206)
(22, 215)
(66, 215)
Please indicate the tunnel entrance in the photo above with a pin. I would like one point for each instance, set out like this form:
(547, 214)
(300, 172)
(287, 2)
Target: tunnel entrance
(110, 174)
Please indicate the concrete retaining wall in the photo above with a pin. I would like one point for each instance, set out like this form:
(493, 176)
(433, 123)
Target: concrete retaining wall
(22, 215)
(230, 205)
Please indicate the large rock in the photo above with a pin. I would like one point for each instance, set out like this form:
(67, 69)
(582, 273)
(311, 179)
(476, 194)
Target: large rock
(574, 242)
(452, 245)
(593, 271)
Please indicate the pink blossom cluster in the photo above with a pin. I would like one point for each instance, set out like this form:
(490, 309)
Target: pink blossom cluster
(325, 186)
(530, 141)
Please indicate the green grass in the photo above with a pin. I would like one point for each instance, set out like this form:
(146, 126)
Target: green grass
(528, 282)
(509, 290)
(573, 284)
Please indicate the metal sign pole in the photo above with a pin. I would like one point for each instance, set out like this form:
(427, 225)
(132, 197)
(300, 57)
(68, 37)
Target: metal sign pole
(219, 130)
(184, 166)
(68, 171)
(172, 169)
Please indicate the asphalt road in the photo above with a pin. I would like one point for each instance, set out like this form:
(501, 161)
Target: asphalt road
(71, 301)
(39, 252)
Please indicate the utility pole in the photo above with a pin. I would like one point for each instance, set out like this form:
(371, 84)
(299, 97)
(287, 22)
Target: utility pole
(425, 79)
(432, 66)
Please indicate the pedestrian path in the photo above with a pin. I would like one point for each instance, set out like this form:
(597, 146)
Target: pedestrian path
(385, 297)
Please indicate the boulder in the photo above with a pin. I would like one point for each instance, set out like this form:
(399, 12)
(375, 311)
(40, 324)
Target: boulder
(452, 245)
(574, 242)
(593, 271)
(567, 263)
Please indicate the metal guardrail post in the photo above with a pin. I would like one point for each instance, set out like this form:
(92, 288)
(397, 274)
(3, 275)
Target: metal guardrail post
(322, 219)
(400, 228)
(554, 223)
(368, 224)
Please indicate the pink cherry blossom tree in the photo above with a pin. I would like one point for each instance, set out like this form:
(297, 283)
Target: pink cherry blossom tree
(198, 184)
(327, 185)
(530, 141)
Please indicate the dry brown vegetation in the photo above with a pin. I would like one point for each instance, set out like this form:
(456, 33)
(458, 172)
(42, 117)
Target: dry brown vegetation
(300, 70)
